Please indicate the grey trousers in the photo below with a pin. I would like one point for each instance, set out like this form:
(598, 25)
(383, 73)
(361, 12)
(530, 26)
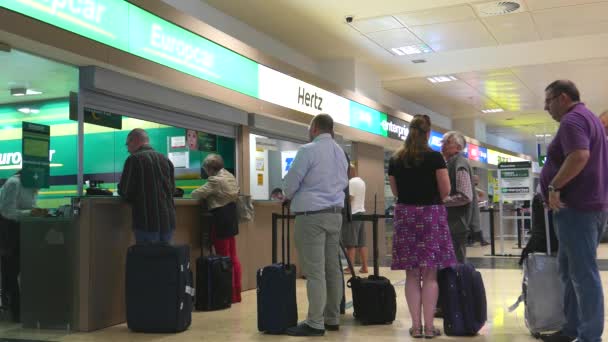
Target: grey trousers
(317, 240)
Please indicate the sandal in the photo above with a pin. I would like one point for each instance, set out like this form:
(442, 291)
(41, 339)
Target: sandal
(416, 332)
(432, 333)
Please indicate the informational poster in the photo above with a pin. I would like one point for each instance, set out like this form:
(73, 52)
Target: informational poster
(180, 159)
(259, 164)
(515, 181)
(207, 142)
(201, 141)
(260, 179)
(178, 142)
(35, 154)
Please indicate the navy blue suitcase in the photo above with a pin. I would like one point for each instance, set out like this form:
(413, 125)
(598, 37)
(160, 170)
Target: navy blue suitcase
(158, 288)
(276, 287)
(463, 300)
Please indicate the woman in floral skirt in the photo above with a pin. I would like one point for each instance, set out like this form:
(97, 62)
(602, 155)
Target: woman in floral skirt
(421, 243)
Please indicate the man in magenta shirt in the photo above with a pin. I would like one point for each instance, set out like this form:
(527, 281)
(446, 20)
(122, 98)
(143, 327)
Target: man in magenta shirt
(574, 182)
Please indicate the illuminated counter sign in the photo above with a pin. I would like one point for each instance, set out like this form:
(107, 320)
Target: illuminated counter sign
(367, 119)
(126, 27)
(35, 157)
(515, 180)
(435, 141)
(395, 128)
(284, 90)
(495, 157)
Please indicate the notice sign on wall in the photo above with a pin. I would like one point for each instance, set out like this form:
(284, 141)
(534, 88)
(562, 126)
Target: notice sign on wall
(35, 154)
(515, 181)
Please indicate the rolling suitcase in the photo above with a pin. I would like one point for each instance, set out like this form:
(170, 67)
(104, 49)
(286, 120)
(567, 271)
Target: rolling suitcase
(374, 297)
(463, 301)
(213, 277)
(158, 288)
(213, 283)
(542, 290)
(276, 286)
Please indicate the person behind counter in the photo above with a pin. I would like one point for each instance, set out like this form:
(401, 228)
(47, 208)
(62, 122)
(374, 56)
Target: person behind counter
(221, 192)
(148, 184)
(16, 201)
(277, 195)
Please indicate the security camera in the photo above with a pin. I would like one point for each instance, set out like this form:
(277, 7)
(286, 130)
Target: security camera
(349, 19)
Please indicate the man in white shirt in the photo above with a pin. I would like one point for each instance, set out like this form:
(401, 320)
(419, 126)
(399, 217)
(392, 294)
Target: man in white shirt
(353, 233)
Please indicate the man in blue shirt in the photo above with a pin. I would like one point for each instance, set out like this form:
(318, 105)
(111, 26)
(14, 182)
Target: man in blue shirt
(315, 187)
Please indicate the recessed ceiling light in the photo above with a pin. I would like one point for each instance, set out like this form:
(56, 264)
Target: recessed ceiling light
(492, 110)
(28, 110)
(441, 79)
(32, 92)
(411, 49)
(543, 135)
(24, 91)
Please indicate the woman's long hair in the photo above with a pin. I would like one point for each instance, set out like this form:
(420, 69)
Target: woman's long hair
(416, 143)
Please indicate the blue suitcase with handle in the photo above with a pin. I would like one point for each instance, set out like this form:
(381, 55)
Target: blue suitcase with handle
(463, 300)
(276, 287)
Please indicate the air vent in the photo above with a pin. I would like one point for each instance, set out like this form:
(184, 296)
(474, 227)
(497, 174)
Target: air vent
(416, 61)
(494, 8)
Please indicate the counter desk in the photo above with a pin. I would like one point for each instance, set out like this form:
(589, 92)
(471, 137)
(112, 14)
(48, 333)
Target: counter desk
(73, 268)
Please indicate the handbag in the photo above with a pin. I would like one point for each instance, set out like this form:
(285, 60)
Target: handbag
(244, 208)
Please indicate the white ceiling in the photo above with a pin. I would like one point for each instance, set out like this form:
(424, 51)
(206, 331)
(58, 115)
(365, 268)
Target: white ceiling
(501, 61)
(23, 70)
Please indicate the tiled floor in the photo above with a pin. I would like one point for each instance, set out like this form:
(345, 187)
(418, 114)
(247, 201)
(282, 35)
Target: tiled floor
(503, 286)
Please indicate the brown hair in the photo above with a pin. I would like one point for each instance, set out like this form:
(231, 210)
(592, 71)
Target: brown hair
(416, 143)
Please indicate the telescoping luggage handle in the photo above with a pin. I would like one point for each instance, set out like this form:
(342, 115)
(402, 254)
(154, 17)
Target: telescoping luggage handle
(283, 218)
(547, 231)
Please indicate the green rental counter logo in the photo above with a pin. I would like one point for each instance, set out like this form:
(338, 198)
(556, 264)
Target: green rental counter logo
(102, 20)
(124, 26)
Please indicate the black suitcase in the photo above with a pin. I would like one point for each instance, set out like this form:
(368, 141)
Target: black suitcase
(374, 297)
(158, 288)
(276, 286)
(213, 283)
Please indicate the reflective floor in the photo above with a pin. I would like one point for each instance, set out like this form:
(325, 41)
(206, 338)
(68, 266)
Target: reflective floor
(503, 286)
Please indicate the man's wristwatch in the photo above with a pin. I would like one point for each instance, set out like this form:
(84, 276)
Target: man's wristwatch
(551, 188)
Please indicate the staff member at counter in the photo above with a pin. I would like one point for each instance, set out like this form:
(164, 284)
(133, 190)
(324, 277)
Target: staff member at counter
(221, 192)
(16, 201)
(148, 184)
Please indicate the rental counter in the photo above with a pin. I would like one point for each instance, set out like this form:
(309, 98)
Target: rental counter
(73, 268)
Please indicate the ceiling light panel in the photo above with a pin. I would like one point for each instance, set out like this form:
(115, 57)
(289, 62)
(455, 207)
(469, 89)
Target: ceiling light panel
(437, 15)
(376, 24)
(493, 110)
(28, 110)
(442, 79)
(411, 50)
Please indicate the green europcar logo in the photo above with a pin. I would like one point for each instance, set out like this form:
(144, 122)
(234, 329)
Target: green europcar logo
(105, 21)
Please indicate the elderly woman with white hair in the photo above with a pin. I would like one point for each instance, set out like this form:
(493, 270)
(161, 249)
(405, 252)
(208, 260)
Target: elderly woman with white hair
(462, 201)
(221, 192)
